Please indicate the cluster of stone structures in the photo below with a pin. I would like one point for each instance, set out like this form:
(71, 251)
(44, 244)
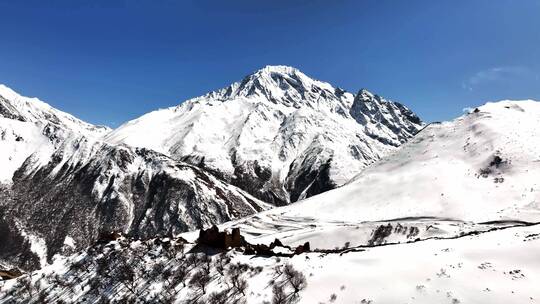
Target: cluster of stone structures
(224, 240)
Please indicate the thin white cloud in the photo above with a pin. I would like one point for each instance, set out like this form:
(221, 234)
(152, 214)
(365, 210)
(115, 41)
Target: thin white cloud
(494, 74)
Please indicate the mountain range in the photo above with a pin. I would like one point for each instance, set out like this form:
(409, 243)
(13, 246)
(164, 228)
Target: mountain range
(277, 133)
(319, 196)
(273, 138)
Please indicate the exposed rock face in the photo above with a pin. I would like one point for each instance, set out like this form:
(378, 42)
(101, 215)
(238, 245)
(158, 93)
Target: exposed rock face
(278, 134)
(16, 249)
(394, 122)
(8, 111)
(303, 248)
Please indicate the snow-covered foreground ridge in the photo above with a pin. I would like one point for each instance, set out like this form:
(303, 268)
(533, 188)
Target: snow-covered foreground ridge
(278, 134)
(499, 266)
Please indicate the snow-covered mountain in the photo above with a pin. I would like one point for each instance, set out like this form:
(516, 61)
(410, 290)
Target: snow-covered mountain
(62, 186)
(277, 134)
(451, 216)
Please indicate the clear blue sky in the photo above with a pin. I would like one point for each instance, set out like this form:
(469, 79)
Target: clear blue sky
(113, 61)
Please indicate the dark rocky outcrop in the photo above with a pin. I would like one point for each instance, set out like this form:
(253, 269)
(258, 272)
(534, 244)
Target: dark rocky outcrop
(8, 111)
(9, 274)
(369, 108)
(302, 248)
(307, 179)
(15, 248)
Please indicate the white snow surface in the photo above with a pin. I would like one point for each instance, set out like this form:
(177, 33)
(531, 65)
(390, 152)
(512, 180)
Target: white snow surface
(18, 141)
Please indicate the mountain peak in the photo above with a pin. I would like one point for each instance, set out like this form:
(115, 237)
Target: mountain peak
(282, 69)
(365, 94)
(277, 84)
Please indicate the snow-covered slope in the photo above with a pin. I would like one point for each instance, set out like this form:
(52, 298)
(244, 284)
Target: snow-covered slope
(277, 134)
(28, 125)
(497, 267)
(481, 167)
(13, 105)
(59, 181)
(98, 188)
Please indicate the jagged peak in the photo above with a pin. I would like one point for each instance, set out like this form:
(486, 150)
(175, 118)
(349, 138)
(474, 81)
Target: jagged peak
(278, 84)
(273, 74)
(376, 112)
(282, 69)
(365, 94)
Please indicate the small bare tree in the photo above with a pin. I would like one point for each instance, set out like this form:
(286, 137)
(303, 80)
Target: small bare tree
(180, 247)
(26, 284)
(221, 262)
(192, 260)
(294, 278)
(206, 263)
(240, 285)
(236, 282)
(180, 275)
(278, 295)
(199, 280)
(127, 276)
(220, 297)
